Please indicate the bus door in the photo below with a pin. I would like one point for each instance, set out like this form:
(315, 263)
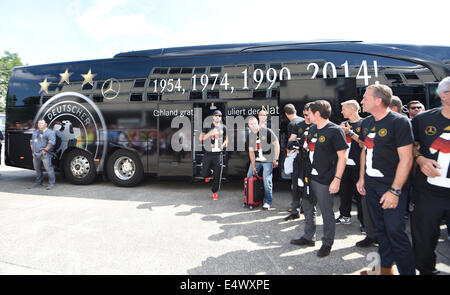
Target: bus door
(174, 139)
(201, 113)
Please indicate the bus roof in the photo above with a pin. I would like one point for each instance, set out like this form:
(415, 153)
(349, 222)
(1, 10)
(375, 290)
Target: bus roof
(218, 48)
(436, 53)
(433, 57)
(436, 57)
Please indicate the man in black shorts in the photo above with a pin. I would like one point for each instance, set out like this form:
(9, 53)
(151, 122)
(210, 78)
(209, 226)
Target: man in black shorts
(431, 196)
(386, 162)
(327, 152)
(214, 141)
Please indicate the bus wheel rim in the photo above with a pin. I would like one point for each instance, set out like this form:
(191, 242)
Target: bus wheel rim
(124, 168)
(79, 166)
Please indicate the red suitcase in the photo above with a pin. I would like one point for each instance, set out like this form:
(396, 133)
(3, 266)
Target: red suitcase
(253, 191)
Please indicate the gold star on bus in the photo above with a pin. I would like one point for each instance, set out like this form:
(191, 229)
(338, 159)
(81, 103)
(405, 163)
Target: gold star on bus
(65, 77)
(44, 86)
(88, 78)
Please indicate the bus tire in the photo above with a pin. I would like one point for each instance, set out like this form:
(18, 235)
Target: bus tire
(124, 168)
(79, 167)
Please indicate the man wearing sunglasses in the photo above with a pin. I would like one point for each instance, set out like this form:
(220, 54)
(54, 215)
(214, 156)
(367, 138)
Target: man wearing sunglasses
(415, 107)
(214, 141)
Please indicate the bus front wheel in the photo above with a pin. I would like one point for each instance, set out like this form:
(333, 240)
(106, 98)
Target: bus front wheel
(124, 168)
(79, 167)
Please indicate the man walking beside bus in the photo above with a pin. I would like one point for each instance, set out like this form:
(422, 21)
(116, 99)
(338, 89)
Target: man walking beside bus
(42, 142)
(215, 142)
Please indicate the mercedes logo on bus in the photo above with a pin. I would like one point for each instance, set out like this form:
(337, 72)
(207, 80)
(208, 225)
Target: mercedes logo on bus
(111, 88)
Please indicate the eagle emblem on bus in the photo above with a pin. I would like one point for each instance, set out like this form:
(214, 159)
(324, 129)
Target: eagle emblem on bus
(67, 136)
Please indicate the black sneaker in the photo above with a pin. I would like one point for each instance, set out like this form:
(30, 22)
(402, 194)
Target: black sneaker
(303, 242)
(343, 220)
(324, 251)
(292, 216)
(367, 242)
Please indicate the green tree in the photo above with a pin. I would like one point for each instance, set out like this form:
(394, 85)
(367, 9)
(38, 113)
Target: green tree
(7, 63)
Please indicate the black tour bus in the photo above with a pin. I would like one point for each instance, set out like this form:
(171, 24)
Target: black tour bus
(119, 117)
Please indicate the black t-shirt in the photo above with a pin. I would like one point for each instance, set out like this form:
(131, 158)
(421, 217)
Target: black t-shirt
(213, 144)
(323, 145)
(261, 143)
(381, 139)
(297, 126)
(354, 152)
(432, 130)
(292, 126)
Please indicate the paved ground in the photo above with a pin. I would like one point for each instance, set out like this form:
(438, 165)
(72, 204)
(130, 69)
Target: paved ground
(162, 227)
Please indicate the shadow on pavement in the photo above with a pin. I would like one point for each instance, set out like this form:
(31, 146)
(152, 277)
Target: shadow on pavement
(269, 235)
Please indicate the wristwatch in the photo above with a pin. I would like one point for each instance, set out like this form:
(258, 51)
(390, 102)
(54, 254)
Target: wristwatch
(395, 191)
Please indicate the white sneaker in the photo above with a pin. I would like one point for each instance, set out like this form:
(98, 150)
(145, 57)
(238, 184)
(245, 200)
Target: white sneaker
(266, 206)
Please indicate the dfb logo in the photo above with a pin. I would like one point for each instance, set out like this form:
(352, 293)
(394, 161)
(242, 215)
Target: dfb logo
(77, 121)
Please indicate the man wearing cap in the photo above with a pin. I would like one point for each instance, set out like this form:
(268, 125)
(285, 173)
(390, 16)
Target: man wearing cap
(214, 141)
(42, 142)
